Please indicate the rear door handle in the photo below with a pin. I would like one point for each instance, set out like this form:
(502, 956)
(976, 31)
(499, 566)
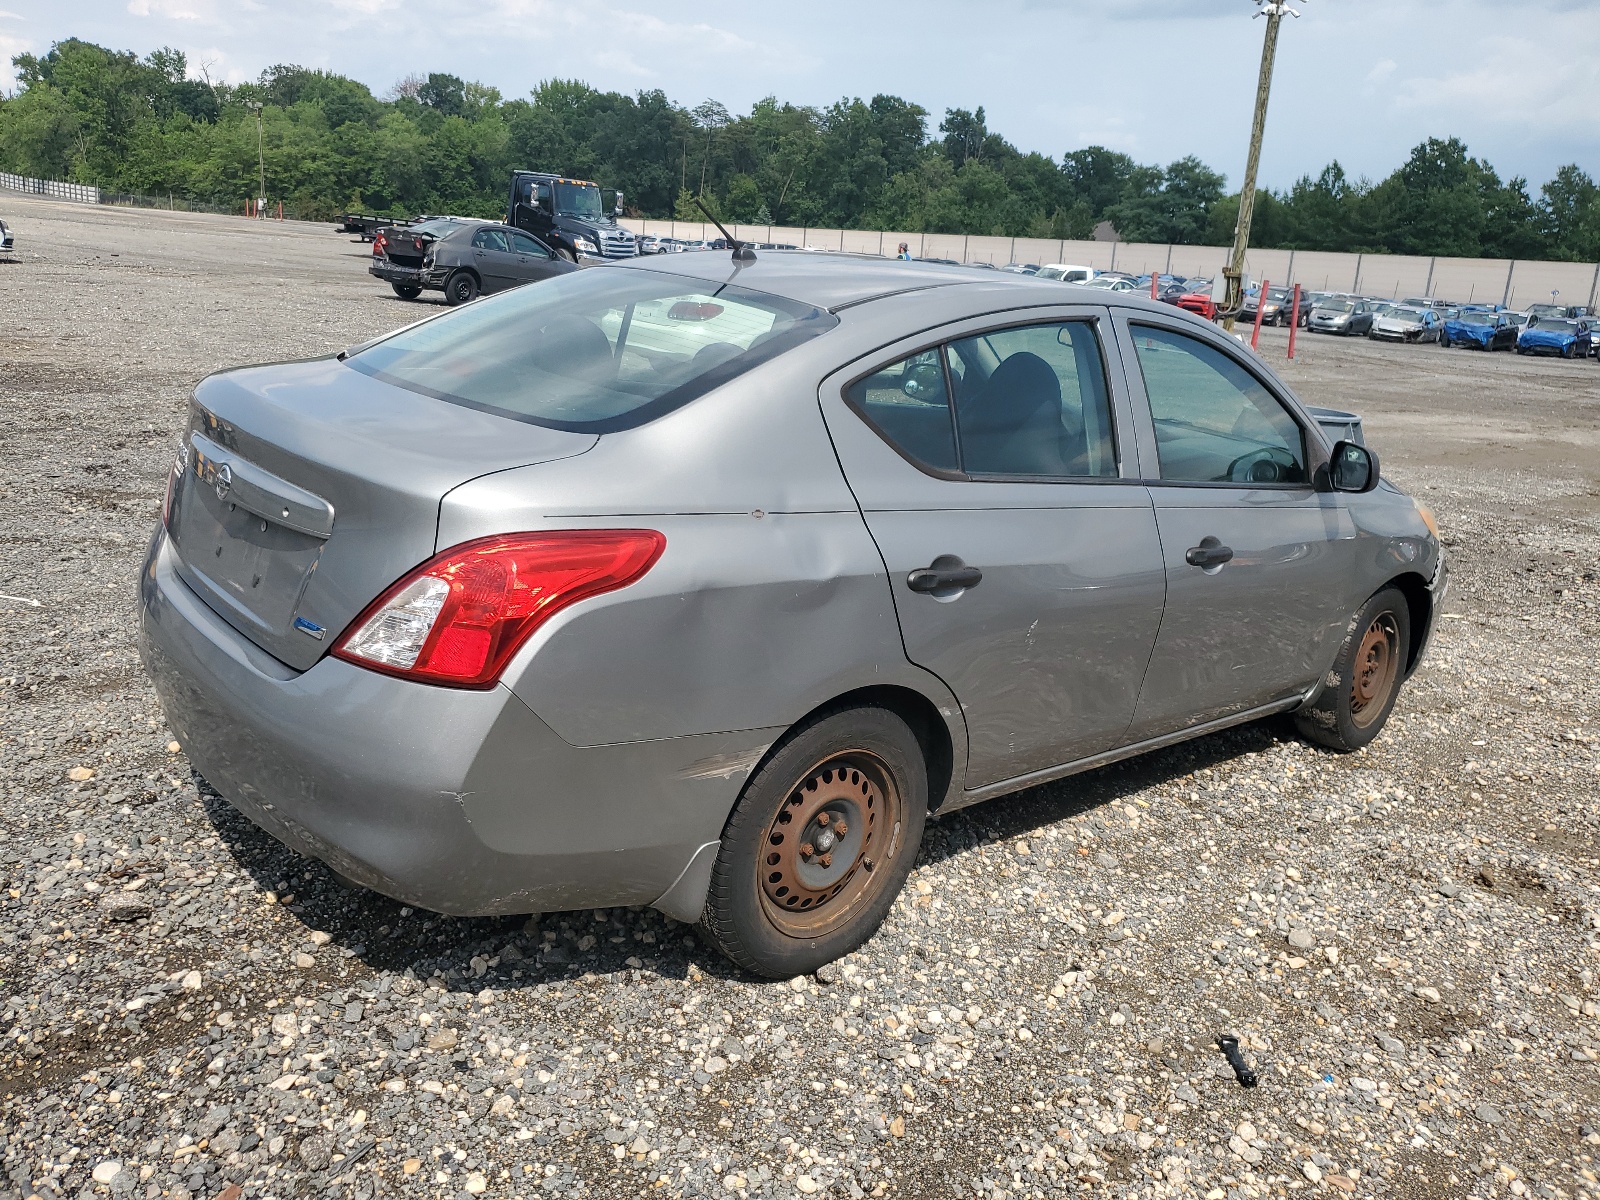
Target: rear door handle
(946, 571)
(1209, 553)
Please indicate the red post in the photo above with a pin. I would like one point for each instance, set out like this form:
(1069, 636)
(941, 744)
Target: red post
(1155, 282)
(1261, 307)
(1294, 319)
(280, 210)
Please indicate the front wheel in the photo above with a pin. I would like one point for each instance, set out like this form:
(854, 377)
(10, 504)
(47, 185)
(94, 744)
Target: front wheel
(1444, 341)
(460, 288)
(1364, 681)
(563, 252)
(819, 845)
(406, 292)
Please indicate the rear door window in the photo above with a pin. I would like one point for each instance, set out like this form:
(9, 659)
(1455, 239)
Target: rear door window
(1033, 401)
(1026, 402)
(490, 239)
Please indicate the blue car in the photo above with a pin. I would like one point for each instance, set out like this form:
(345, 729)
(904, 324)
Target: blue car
(1480, 328)
(1567, 336)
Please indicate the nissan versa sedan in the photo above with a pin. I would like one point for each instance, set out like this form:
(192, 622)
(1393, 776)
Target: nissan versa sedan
(1341, 314)
(704, 583)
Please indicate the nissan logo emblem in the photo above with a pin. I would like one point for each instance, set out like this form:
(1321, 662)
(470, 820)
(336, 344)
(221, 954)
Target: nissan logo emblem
(224, 481)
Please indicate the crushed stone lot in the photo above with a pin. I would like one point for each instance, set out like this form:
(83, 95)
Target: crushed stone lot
(1404, 940)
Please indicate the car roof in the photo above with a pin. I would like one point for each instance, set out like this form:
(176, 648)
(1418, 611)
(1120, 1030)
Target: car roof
(827, 281)
(840, 281)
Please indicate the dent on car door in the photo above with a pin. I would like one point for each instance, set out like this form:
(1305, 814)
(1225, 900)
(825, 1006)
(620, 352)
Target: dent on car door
(1022, 556)
(1258, 561)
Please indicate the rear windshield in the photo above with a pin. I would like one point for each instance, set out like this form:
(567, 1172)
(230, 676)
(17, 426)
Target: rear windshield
(594, 351)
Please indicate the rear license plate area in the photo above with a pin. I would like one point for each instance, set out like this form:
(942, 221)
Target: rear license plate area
(257, 568)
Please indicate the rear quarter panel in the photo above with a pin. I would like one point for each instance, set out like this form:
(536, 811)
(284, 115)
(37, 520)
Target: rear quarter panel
(769, 600)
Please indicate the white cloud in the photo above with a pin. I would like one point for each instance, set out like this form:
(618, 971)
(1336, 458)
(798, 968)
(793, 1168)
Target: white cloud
(174, 10)
(1381, 70)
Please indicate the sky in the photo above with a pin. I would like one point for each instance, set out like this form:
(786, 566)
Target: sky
(1361, 81)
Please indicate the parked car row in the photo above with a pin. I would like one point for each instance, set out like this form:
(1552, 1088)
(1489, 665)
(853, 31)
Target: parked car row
(1571, 332)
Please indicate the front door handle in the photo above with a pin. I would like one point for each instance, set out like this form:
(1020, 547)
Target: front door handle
(1209, 553)
(946, 571)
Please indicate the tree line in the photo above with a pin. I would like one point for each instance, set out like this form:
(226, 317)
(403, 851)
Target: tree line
(441, 144)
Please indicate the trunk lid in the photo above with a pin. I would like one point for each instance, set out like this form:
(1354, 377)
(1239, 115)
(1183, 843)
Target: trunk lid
(405, 248)
(309, 488)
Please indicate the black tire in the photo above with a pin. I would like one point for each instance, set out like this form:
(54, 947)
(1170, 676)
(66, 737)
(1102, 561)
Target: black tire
(777, 905)
(1566, 351)
(1444, 342)
(1364, 681)
(406, 292)
(563, 252)
(461, 288)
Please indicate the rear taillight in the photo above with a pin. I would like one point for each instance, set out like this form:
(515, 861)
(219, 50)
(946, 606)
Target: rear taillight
(379, 244)
(459, 617)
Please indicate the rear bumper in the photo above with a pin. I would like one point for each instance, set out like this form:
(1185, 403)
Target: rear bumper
(404, 276)
(458, 801)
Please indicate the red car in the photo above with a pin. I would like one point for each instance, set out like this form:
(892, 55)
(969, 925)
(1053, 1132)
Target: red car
(1200, 302)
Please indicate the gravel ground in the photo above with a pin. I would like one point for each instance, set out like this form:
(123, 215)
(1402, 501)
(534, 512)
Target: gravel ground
(1403, 940)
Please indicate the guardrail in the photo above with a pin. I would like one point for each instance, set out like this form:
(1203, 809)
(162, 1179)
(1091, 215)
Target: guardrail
(81, 192)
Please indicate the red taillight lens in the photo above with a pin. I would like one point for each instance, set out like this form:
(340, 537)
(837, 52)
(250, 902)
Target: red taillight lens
(379, 244)
(459, 617)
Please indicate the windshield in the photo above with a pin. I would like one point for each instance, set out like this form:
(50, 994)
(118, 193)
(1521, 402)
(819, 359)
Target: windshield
(1103, 282)
(1407, 314)
(581, 200)
(1556, 325)
(1337, 306)
(1477, 318)
(594, 351)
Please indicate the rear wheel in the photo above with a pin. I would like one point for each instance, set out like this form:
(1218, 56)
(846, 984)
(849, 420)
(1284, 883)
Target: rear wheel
(460, 288)
(1364, 681)
(819, 845)
(406, 292)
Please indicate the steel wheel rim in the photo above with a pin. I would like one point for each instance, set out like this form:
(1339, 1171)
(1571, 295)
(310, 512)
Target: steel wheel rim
(1376, 667)
(814, 878)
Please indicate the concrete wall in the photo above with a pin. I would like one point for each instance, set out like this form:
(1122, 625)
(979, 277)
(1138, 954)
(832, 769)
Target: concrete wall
(1463, 279)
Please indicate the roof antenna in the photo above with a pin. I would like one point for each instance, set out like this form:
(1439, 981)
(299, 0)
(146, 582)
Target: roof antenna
(741, 251)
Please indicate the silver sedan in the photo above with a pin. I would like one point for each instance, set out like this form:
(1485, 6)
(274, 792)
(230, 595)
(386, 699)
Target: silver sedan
(704, 583)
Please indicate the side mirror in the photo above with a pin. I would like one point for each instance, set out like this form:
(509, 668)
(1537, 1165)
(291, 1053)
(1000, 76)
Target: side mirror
(1353, 468)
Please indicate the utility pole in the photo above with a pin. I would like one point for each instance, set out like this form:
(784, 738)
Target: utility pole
(261, 156)
(1233, 297)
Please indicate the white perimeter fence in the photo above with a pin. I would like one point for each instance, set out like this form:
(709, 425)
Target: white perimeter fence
(80, 192)
(1483, 280)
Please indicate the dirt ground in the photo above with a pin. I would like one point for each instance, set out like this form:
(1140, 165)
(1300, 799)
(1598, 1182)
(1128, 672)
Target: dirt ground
(1405, 939)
